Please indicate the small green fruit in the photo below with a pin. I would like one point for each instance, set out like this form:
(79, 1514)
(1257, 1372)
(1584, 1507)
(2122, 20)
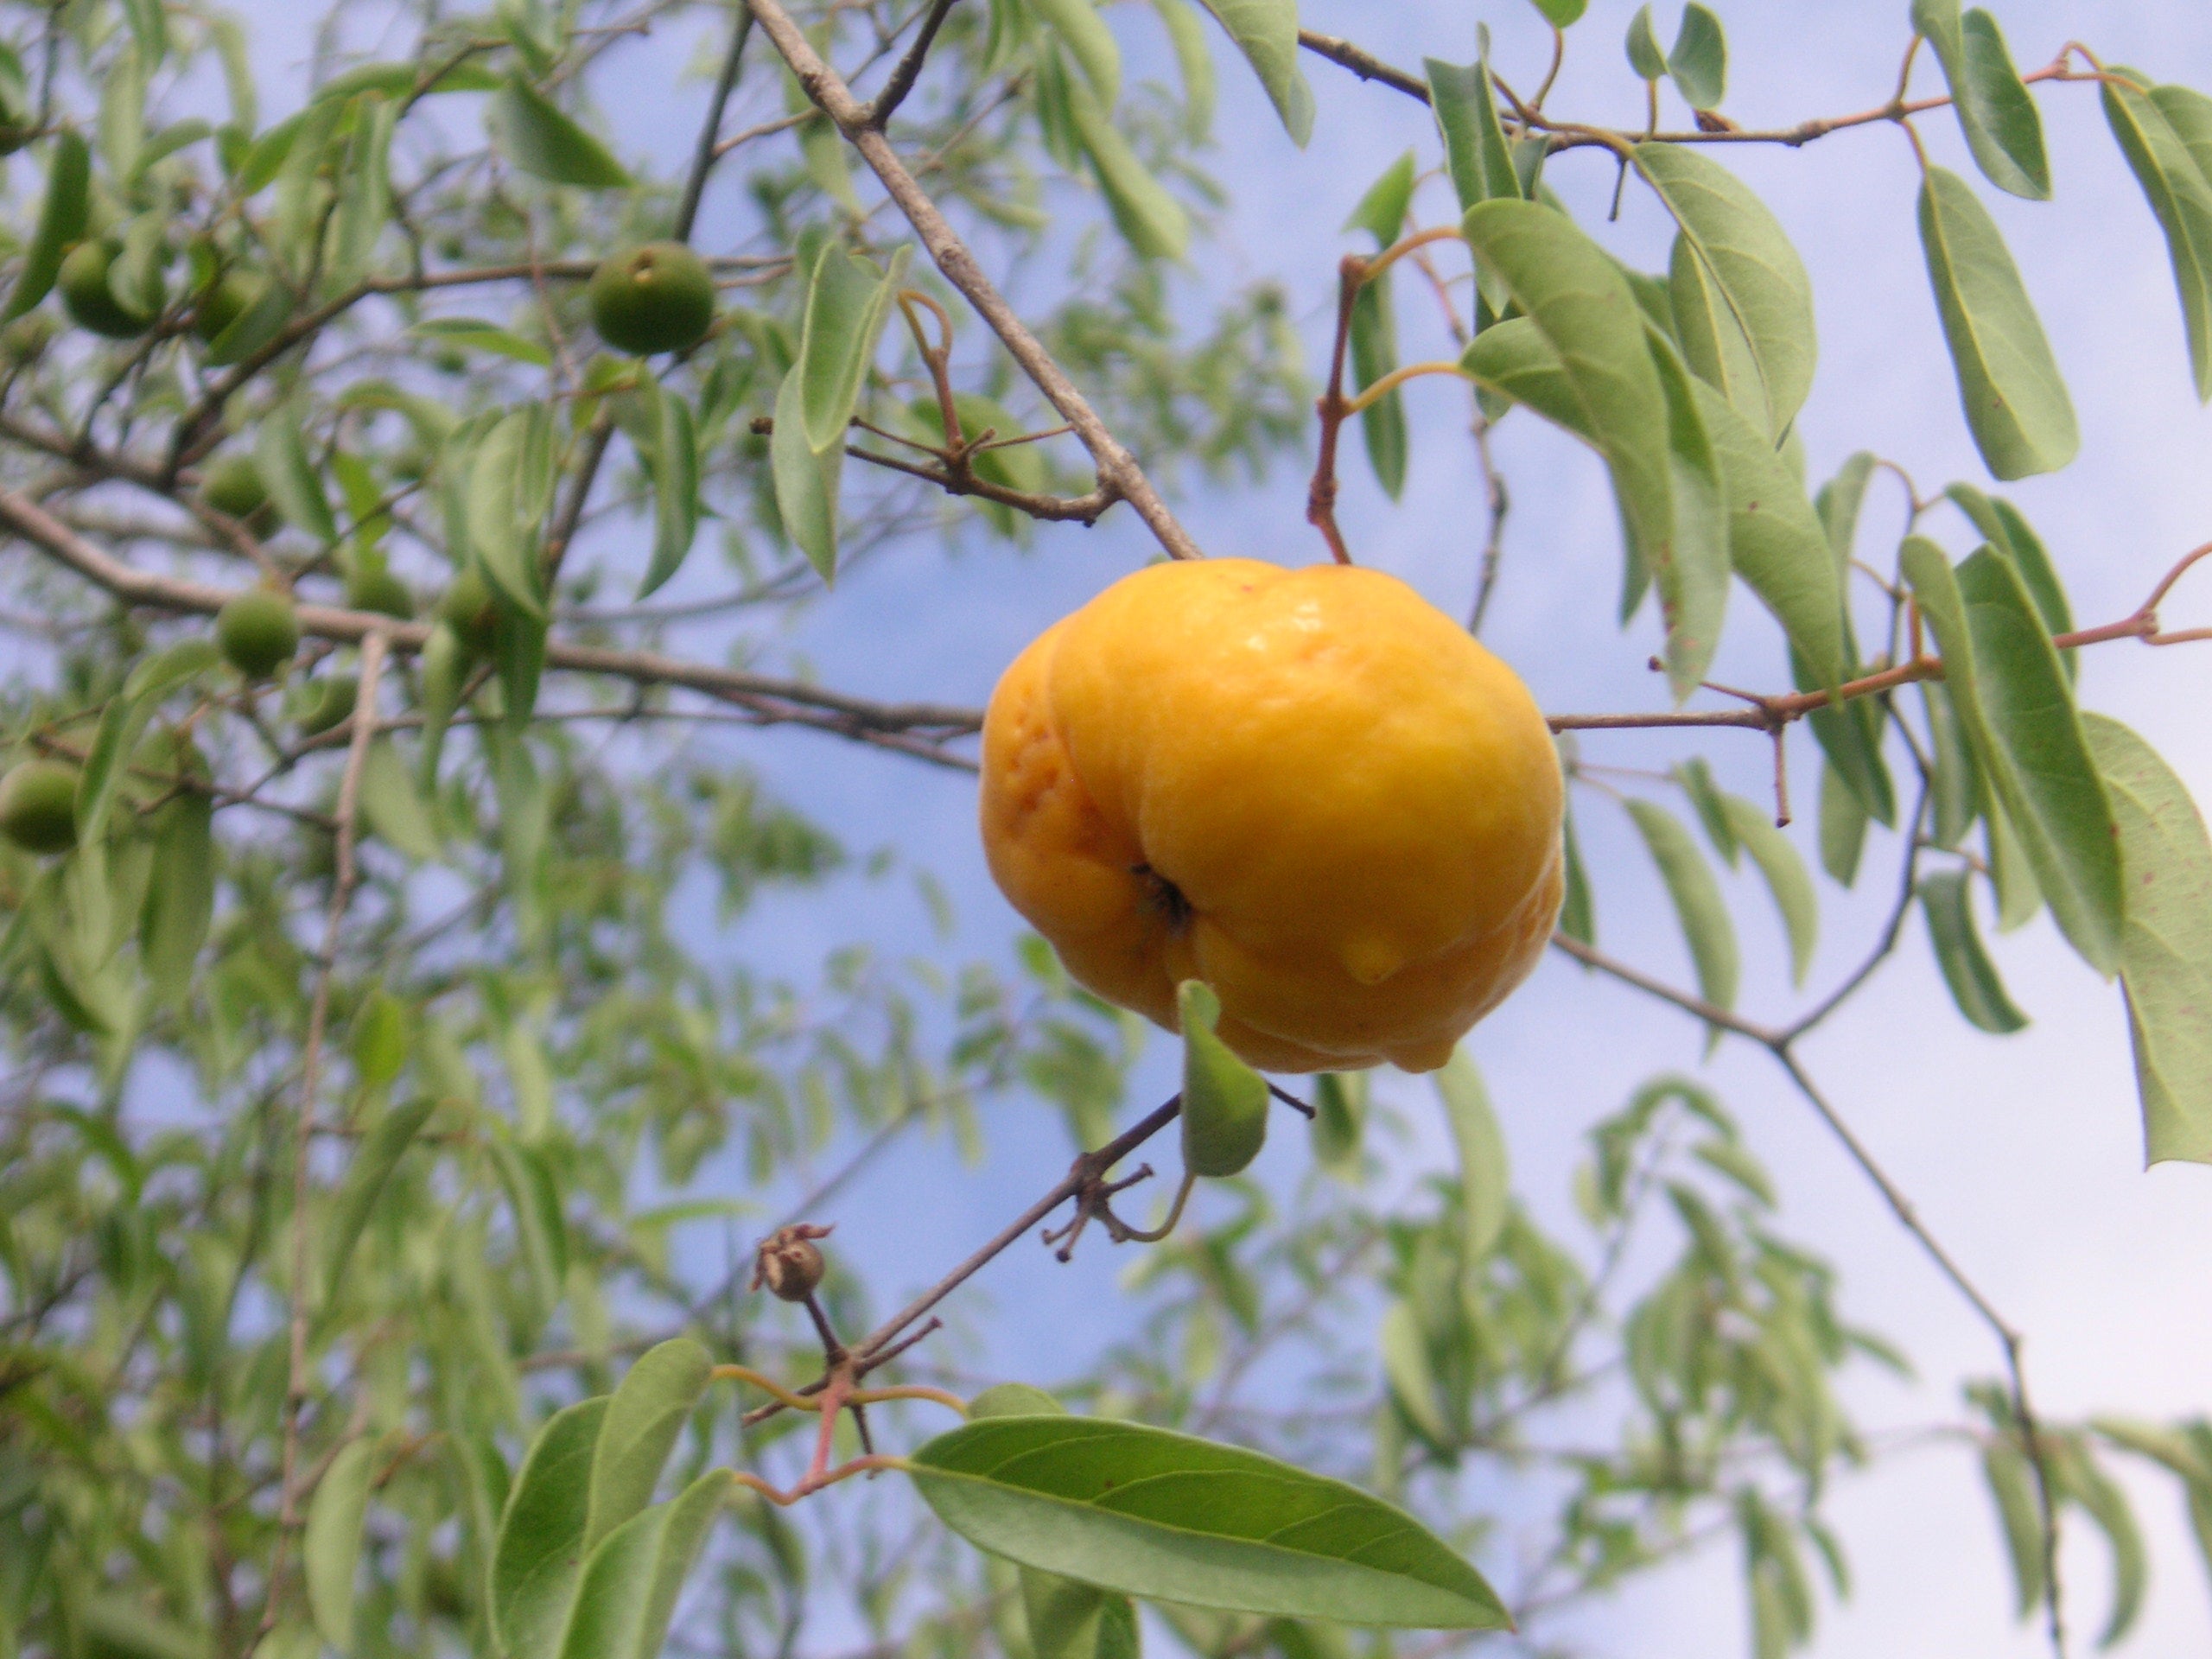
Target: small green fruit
(259, 632)
(88, 299)
(379, 590)
(334, 704)
(233, 484)
(469, 610)
(659, 297)
(38, 806)
(223, 301)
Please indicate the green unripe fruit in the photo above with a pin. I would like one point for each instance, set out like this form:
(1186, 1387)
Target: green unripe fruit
(38, 806)
(87, 298)
(379, 591)
(468, 609)
(233, 484)
(334, 704)
(223, 301)
(259, 632)
(1224, 1101)
(659, 297)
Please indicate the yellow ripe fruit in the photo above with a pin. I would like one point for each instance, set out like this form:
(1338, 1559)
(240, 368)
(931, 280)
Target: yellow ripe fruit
(1310, 789)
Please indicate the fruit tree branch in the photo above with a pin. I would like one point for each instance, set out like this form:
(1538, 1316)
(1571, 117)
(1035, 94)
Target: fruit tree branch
(1118, 471)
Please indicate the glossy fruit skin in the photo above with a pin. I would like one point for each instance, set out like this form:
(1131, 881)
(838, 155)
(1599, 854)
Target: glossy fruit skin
(381, 592)
(38, 806)
(86, 296)
(469, 609)
(1308, 788)
(233, 484)
(258, 632)
(659, 297)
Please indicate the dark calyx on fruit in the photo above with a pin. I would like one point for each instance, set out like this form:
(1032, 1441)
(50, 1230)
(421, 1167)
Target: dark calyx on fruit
(334, 703)
(38, 806)
(88, 299)
(259, 632)
(469, 610)
(379, 591)
(659, 297)
(233, 484)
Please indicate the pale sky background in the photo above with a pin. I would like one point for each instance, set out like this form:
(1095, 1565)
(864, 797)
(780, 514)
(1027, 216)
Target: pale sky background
(2024, 1153)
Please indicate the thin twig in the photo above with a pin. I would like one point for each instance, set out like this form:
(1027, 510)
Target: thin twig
(709, 147)
(909, 67)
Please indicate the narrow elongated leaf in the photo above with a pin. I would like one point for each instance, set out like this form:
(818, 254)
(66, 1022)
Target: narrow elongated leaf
(676, 487)
(2090, 1488)
(1224, 1101)
(2018, 712)
(539, 1549)
(1843, 826)
(1947, 902)
(1266, 32)
(61, 222)
(180, 898)
(1485, 1176)
(1642, 46)
(471, 333)
(540, 139)
(1382, 211)
(643, 1416)
(1578, 911)
(117, 734)
(374, 1160)
(1698, 903)
(2015, 400)
(1069, 1620)
(1194, 62)
(1475, 149)
(1996, 111)
(541, 1231)
(2180, 194)
(1776, 543)
(1154, 1514)
(2019, 900)
(393, 809)
(1699, 59)
(1149, 219)
(2000, 521)
(1406, 1368)
(509, 479)
(627, 1593)
(1952, 783)
(1693, 577)
(847, 304)
(330, 1549)
(1696, 780)
(1339, 1119)
(1089, 41)
(365, 188)
(1839, 503)
(1745, 306)
(1373, 354)
(2165, 955)
(806, 483)
(1786, 877)
(2012, 1487)
(280, 450)
(1581, 304)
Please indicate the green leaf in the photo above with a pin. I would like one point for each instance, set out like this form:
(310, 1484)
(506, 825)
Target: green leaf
(1069, 1620)
(1644, 54)
(2019, 900)
(121, 722)
(1953, 784)
(61, 218)
(1412, 1380)
(1582, 306)
(2180, 194)
(302, 190)
(1698, 904)
(1339, 1119)
(1699, 61)
(676, 486)
(2019, 715)
(540, 1544)
(280, 450)
(2015, 403)
(330, 1549)
(1224, 1101)
(470, 334)
(405, 80)
(2095, 1491)
(1776, 543)
(365, 188)
(1266, 32)
(1513, 360)
(1150, 220)
(1786, 879)
(806, 482)
(393, 809)
(1373, 354)
(1742, 300)
(180, 897)
(1578, 913)
(253, 328)
(1693, 577)
(629, 1585)
(2165, 955)
(1996, 111)
(1843, 825)
(1485, 1176)
(509, 485)
(1560, 14)
(537, 137)
(2010, 534)
(541, 1231)
(1851, 737)
(847, 304)
(1696, 780)
(644, 1417)
(1839, 503)
(2013, 1486)
(1089, 41)
(1194, 61)
(1163, 1515)
(1966, 967)
(375, 1158)
(1475, 149)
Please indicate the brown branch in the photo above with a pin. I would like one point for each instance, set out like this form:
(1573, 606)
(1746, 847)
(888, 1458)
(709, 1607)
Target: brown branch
(709, 147)
(342, 894)
(908, 67)
(1363, 63)
(1118, 471)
